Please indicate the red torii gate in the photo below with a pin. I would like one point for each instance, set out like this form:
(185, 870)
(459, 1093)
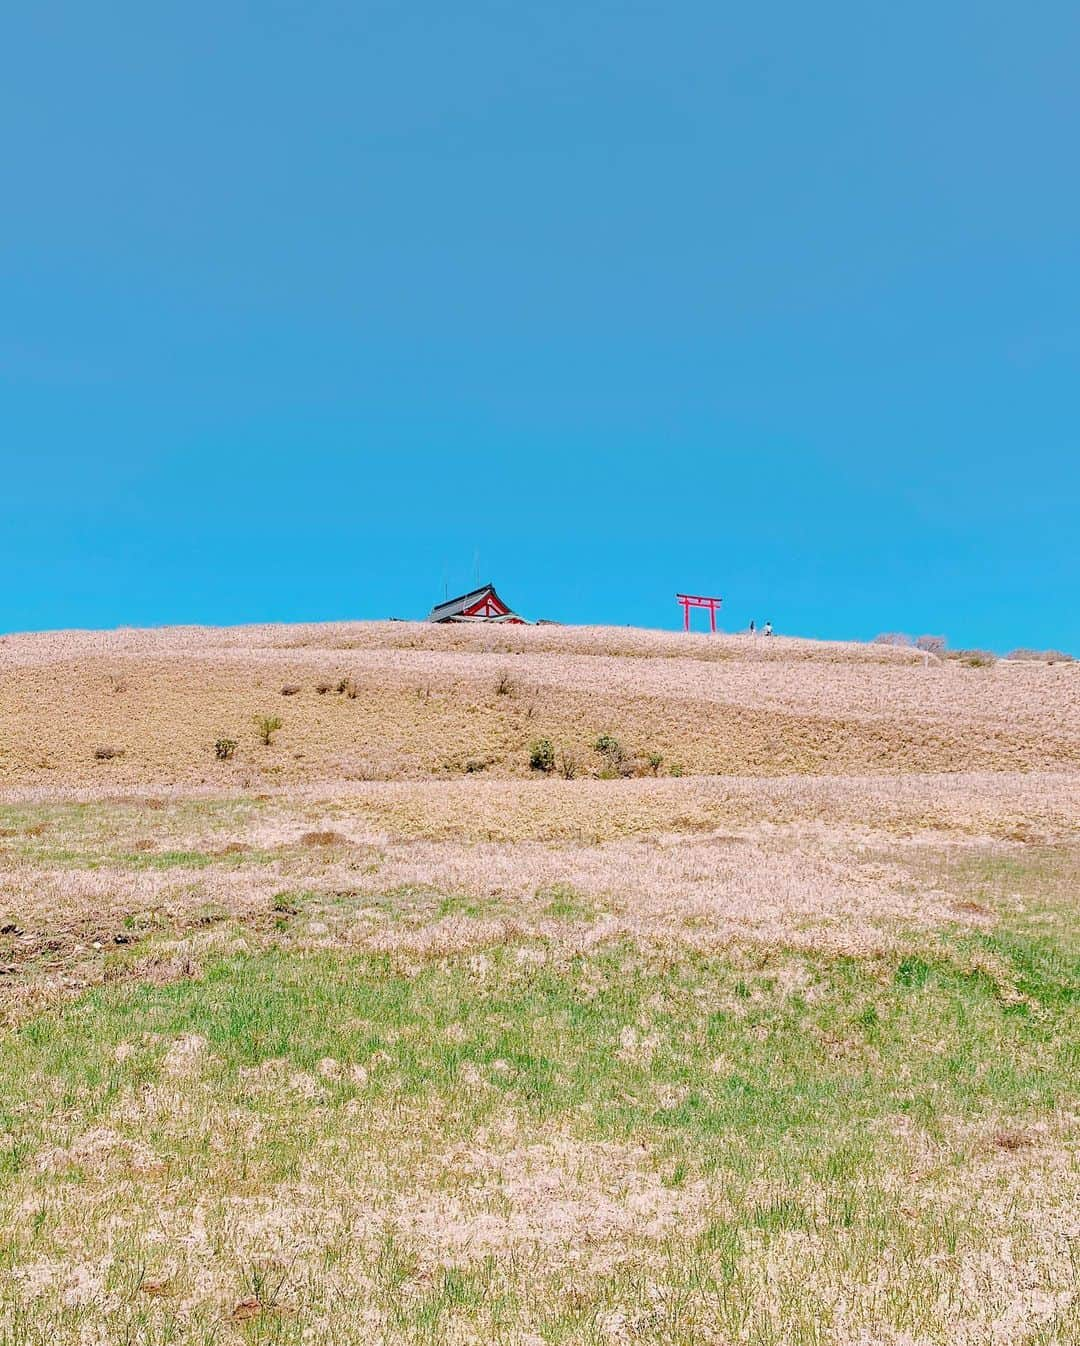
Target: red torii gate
(689, 601)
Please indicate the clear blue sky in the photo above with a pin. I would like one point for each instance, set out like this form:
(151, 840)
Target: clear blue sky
(305, 304)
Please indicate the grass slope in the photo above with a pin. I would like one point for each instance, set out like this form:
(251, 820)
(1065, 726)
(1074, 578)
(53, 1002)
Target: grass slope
(782, 1059)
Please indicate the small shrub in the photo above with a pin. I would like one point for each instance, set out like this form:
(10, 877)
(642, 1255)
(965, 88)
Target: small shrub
(348, 687)
(655, 761)
(323, 687)
(290, 689)
(676, 769)
(568, 767)
(267, 726)
(323, 839)
(504, 686)
(611, 750)
(542, 756)
(892, 638)
(224, 749)
(118, 682)
(107, 754)
(1041, 656)
(978, 658)
(931, 644)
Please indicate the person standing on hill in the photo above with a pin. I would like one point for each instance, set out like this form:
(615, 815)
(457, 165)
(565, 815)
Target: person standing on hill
(753, 627)
(768, 628)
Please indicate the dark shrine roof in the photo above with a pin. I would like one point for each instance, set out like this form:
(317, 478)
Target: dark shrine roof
(454, 608)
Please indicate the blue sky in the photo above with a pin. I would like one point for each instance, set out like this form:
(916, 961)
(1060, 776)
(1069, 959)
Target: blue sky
(306, 306)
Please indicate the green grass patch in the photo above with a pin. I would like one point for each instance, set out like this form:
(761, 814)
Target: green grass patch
(565, 903)
(245, 1125)
(728, 1056)
(832, 1107)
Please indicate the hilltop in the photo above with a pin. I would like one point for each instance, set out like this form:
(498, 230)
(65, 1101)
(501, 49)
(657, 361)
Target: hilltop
(410, 701)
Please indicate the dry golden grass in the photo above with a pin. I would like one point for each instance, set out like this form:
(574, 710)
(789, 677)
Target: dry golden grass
(812, 863)
(427, 704)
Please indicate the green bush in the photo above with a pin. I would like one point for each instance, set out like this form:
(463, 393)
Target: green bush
(267, 726)
(542, 755)
(224, 749)
(611, 750)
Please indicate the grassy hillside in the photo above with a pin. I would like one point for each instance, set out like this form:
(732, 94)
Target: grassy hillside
(373, 1034)
(417, 701)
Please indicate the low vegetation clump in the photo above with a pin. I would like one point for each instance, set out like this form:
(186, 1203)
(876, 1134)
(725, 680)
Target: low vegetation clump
(267, 726)
(542, 756)
(611, 754)
(1041, 656)
(107, 753)
(975, 658)
(322, 838)
(225, 749)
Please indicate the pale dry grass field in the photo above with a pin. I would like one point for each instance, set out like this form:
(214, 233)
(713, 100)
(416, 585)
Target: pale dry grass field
(423, 701)
(374, 1034)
